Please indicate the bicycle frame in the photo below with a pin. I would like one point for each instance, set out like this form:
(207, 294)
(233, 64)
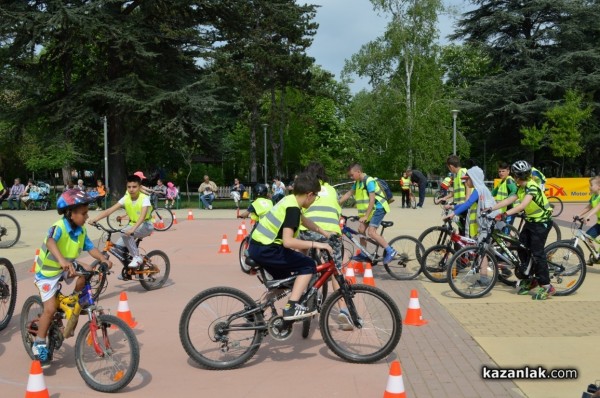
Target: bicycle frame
(355, 237)
(587, 240)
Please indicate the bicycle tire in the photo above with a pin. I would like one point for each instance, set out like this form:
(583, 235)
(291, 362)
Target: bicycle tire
(464, 279)
(381, 324)
(244, 244)
(117, 365)
(437, 197)
(432, 236)
(435, 263)
(10, 231)
(207, 311)
(556, 204)
(157, 262)
(306, 322)
(554, 235)
(118, 220)
(8, 292)
(407, 263)
(31, 311)
(567, 267)
(162, 219)
(98, 282)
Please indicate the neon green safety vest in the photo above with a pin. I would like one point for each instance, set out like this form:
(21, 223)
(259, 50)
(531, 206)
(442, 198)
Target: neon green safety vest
(261, 206)
(460, 191)
(405, 183)
(268, 228)
(472, 221)
(595, 199)
(362, 197)
(535, 212)
(134, 210)
(47, 264)
(326, 211)
(503, 191)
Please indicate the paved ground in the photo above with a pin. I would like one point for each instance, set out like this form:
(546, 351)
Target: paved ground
(442, 359)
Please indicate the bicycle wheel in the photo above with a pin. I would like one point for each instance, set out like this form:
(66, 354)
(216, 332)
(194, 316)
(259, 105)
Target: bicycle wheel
(437, 197)
(213, 333)
(243, 250)
(567, 267)
(407, 263)
(98, 282)
(434, 236)
(112, 364)
(470, 274)
(435, 263)
(10, 231)
(556, 204)
(118, 220)
(413, 202)
(379, 330)
(157, 268)
(8, 292)
(162, 219)
(31, 312)
(554, 235)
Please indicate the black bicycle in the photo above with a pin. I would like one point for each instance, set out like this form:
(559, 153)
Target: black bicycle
(10, 231)
(8, 291)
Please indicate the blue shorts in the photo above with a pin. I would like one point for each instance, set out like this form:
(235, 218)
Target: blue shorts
(281, 262)
(377, 218)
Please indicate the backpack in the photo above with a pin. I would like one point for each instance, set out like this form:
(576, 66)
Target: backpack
(385, 188)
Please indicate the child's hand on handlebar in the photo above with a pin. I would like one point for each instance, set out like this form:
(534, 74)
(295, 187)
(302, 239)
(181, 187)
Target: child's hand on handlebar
(324, 246)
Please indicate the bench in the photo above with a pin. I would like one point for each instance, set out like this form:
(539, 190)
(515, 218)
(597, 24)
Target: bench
(224, 193)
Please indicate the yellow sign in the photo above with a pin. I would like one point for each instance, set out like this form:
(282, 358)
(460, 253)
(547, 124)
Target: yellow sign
(567, 189)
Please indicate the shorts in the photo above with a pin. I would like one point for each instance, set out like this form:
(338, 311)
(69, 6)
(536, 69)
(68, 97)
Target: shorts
(145, 229)
(377, 218)
(49, 286)
(281, 262)
(317, 237)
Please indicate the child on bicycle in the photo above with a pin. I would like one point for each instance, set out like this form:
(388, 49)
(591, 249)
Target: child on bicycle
(64, 242)
(261, 205)
(138, 208)
(274, 243)
(592, 207)
(460, 192)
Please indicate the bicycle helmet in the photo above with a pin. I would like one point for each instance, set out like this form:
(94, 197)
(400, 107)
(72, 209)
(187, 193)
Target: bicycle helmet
(72, 198)
(521, 169)
(261, 191)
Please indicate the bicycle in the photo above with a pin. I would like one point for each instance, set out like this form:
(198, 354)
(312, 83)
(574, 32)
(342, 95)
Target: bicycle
(411, 197)
(10, 231)
(107, 353)
(553, 236)
(438, 235)
(8, 292)
(152, 273)
(405, 266)
(588, 241)
(234, 324)
(469, 264)
(162, 219)
(555, 203)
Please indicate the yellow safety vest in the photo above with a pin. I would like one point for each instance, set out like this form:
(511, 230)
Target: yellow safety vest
(502, 192)
(268, 228)
(362, 197)
(593, 202)
(261, 206)
(472, 221)
(326, 211)
(460, 191)
(405, 183)
(47, 264)
(535, 212)
(134, 210)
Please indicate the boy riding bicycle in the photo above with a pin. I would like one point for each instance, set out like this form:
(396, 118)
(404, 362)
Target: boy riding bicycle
(65, 240)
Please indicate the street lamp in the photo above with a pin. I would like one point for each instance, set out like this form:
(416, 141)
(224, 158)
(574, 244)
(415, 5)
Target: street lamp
(454, 114)
(265, 125)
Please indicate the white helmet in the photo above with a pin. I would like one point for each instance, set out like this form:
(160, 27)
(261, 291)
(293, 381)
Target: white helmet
(521, 169)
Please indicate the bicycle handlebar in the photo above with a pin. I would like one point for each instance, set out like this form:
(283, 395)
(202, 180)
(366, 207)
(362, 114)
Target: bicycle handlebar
(103, 228)
(80, 271)
(580, 220)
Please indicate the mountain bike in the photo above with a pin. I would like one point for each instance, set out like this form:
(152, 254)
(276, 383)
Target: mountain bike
(407, 263)
(152, 273)
(222, 327)
(8, 291)
(438, 235)
(10, 231)
(553, 236)
(588, 241)
(107, 353)
(502, 257)
(162, 219)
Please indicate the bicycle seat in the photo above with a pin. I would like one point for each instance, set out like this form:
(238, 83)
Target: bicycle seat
(267, 279)
(387, 224)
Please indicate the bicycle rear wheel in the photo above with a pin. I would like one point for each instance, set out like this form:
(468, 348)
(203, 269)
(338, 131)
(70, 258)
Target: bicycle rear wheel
(379, 324)
(435, 263)
(8, 292)
(437, 197)
(112, 364)
(407, 263)
(10, 231)
(471, 274)
(30, 314)
(567, 267)
(242, 255)
(98, 282)
(162, 219)
(118, 220)
(214, 335)
(556, 204)
(434, 236)
(157, 268)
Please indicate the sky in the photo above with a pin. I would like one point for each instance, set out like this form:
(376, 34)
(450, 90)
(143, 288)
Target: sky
(345, 25)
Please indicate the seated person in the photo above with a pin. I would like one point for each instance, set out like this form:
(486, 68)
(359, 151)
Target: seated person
(237, 190)
(101, 190)
(172, 193)
(32, 192)
(15, 194)
(278, 189)
(207, 192)
(158, 192)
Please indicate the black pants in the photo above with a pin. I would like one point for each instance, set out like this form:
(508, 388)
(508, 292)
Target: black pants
(422, 191)
(405, 198)
(534, 236)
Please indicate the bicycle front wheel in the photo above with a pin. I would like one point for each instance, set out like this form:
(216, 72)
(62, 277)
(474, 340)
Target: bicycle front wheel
(243, 251)
(472, 274)
(556, 204)
(30, 315)
(434, 236)
(98, 282)
(567, 267)
(435, 263)
(108, 362)
(118, 220)
(375, 324)
(10, 231)
(157, 268)
(407, 263)
(8, 292)
(213, 333)
(162, 219)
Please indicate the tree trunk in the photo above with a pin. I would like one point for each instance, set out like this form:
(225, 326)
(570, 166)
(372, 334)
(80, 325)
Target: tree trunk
(274, 143)
(117, 169)
(253, 120)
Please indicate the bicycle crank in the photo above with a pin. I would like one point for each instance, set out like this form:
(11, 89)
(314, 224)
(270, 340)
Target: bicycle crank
(279, 329)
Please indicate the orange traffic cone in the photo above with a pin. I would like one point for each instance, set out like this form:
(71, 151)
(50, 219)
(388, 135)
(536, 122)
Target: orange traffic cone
(240, 235)
(413, 315)
(395, 384)
(36, 386)
(244, 230)
(190, 215)
(123, 311)
(350, 274)
(224, 245)
(358, 265)
(174, 219)
(37, 254)
(368, 278)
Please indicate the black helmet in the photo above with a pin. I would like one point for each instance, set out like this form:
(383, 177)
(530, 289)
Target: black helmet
(261, 191)
(72, 198)
(521, 169)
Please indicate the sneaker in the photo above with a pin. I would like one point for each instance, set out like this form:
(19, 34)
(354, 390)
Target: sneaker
(481, 282)
(136, 262)
(361, 257)
(298, 312)
(389, 255)
(209, 207)
(542, 293)
(527, 286)
(344, 321)
(40, 351)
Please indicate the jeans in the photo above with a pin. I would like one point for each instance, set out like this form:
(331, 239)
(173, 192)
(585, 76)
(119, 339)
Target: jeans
(11, 202)
(207, 200)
